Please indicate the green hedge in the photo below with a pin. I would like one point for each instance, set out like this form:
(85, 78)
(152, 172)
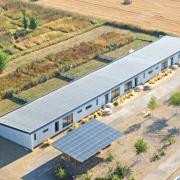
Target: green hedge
(134, 28)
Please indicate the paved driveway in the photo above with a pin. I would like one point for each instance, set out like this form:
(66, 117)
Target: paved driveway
(165, 169)
(161, 90)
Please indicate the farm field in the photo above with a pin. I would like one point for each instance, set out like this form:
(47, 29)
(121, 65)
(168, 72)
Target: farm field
(158, 15)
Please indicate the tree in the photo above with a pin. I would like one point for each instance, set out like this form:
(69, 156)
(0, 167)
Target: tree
(170, 139)
(141, 146)
(110, 156)
(152, 105)
(175, 100)
(61, 173)
(122, 171)
(25, 22)
(3, 60)
(33, 23)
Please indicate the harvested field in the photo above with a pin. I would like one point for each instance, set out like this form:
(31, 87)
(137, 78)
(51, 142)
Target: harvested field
(161, 15)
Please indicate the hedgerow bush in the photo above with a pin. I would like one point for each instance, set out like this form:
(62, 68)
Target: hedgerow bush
(135, 28)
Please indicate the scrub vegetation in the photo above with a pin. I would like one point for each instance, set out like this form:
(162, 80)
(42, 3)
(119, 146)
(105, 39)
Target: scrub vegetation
(26, 27)
(29, 75)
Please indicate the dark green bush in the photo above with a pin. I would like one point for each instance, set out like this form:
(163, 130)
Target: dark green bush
(134, 28)
(61, 173)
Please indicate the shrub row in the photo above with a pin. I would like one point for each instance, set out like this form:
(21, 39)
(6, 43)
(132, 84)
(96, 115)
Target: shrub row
(135, 28)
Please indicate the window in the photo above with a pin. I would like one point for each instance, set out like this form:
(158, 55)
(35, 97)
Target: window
(157, 67)
(45, 130)
(87, 107)
(67, 120)
(79, 111)
(97, 102)
(136, 81)
(106, 98)
(144, 75)
(164, 65)
(56, 126)
(179, 56)
(35, 136)
(150, 72)
(172, 61)
(115, 93)
(128, 86)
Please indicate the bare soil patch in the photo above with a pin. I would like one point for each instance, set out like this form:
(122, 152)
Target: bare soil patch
(153, 131)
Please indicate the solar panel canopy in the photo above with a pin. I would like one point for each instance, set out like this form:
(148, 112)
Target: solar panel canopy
(87, 140)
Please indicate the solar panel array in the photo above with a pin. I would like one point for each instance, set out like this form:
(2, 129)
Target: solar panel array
(87, 140)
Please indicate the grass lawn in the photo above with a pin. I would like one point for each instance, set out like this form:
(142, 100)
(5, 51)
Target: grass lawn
(137, 44)
(43, 89)
(145, 37)
(86, 68)
(7, 105)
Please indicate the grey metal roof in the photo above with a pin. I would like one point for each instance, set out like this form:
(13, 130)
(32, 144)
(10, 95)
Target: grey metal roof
(47, 108)
(87, 140)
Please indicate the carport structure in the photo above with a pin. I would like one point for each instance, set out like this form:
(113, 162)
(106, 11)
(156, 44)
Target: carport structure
(87, 140)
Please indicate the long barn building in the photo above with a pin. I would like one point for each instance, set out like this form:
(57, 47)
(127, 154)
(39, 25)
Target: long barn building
(49, 115)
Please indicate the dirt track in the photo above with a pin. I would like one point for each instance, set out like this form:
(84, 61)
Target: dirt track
(160, 14)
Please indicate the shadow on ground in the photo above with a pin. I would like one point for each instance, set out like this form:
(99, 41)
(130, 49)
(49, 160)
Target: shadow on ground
(46, 171)
(174, 131)
(10, 152)
(133, 128)
(157, 126)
